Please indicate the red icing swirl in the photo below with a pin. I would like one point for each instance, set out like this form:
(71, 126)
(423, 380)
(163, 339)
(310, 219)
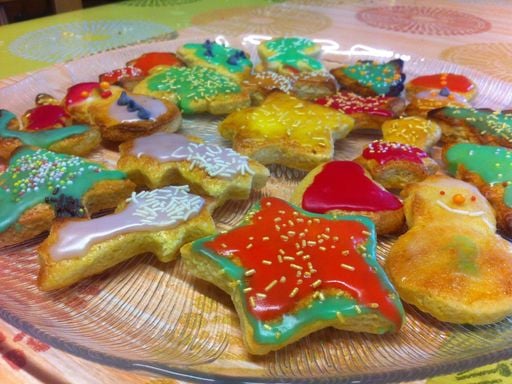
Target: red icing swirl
(455, 83)
(349, 103)
(79, 92)
(343, 185)
(289, 256)
(46, 116)
(383, 152)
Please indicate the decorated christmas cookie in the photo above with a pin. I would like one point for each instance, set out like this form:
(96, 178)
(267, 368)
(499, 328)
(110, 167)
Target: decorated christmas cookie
(40, 185)
(412, 130)
(394, 165)
(450, 82)
(288, 131)
(120, 115)
(368, 112)
(231, 62)
(451, 263)
(45, 133)
(158, 221)
(343, 187)
(423, 102)
(196, 90)
(290, 273)
(480, 126)
(369, 78)
(171, 159)
(490, 169)
(290, 55)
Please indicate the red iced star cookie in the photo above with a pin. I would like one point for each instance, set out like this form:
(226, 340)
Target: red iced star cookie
(290, 273)
(343, 187)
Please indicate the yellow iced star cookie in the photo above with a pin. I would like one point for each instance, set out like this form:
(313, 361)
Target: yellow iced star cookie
(415, 131)
(288, 131)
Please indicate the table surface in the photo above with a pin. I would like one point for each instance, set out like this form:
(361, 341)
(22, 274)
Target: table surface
(470, 33)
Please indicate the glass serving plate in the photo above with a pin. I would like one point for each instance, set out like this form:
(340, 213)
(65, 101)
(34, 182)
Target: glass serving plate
(155, 317)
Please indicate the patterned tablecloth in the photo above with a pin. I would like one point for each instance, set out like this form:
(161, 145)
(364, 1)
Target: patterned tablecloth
(476, 34)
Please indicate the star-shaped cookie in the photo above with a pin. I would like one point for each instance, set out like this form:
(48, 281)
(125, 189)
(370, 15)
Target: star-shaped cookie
(290, 273)
(288, 131)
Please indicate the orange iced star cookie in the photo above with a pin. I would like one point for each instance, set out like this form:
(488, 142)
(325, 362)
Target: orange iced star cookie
(290, 272)
(288, 131)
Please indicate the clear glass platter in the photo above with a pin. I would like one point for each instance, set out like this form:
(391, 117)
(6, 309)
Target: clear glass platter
(155, 317)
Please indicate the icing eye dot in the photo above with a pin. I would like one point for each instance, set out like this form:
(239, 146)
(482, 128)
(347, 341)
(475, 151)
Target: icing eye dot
(458, 199)
(473, 198)
(84, 94)
(104, 85)
(442, 193)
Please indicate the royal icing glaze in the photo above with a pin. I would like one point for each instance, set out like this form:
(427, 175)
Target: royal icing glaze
(383, 79)
(486, 122)
(155, 210)
(217, 161)
(383, 152)
(134, 108)
(192, 84)
(36, 175)
(412, 130)
(282, 256)
(292, 52)
(119, 74)
(343, 185)
(231, 59)
(46, 116)
(41, 139)
(455, 83)
(492, 164)
(79, 92)
(350, 103)
(150, 60)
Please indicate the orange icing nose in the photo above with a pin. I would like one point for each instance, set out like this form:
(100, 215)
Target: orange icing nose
(458, 199)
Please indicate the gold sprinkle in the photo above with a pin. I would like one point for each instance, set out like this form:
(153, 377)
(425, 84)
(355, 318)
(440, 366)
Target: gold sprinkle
(291, 223)
(294, 292)
(348, 267)
(306, 257)
(267, 327)
(316, 220)
(284, 237)
(299, 253)
(346, 252)
(321, 296)
(298, 274)
(322, 248)
(327, 229)
(325, 236)
(366, 233)
(281, 212)
(248, 289)
(357, 308)
(282, 280)
(311, 243)
(291, 233)
(282, 252)
(261, 295)
(316, 284)
(277, 220)
(335, 238)
(265, 238)
(307, 275)
(340, 317)
(295, 266)
(249, 246)
(252, 301)
(280, 258)
(277, 227)
(270, 286)
(250, 272)
(289, 258)
(277, 335)
(223, 245)
(374, 305)
(266, 262)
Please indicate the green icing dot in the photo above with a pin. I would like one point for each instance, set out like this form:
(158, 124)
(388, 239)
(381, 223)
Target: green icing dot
(192, 84)
(42, 139)
(33, 175)
(289, 51)
(485, 121)
(492, 164)
(234, 60)
(379, 77)
(467, 253)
